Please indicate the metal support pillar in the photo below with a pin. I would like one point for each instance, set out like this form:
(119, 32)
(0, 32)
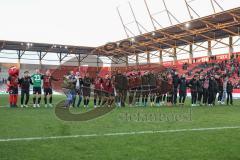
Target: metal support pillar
(190, 54)
(19, 54)
(148, 57)
(174, 55)
(127, 64)
(161, 57)
(230, 47)
(209, 48)
(137, 60)
(79, 60)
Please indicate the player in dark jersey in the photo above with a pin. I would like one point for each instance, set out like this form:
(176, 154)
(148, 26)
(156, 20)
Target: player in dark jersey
(131, 88)
(25, 83)
(121, 86)
(98, 91)
(145, 89)
(47, 87)
(152, 82)
(87, 81)
(138, 83)
(12, 83)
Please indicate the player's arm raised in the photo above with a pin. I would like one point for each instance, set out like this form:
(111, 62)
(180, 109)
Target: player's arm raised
(54, 79)
(31, 82)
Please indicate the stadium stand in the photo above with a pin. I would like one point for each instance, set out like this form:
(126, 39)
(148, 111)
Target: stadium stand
(219, 64)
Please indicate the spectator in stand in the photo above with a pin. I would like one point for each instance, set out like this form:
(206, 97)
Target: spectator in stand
(185, 66)
(232, 69)
(229, 92)
(206, 65)
(238, 85)
(238, 70)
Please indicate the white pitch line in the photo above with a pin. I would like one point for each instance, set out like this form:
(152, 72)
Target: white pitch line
(117, 134)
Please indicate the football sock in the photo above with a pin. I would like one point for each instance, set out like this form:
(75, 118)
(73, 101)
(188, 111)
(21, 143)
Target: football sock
(39, 100)
(99, 101)
(27, 99)
(34, 100)
(22, 99)
(95, 101)
(50, 99)
(45, 99)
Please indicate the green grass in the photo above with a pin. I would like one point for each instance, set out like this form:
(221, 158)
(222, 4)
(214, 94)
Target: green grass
(42, 122)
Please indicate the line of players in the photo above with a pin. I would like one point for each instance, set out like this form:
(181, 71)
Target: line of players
(116, 88)
(204, 89)
(38, 81)
(76, 86)
(108, 90)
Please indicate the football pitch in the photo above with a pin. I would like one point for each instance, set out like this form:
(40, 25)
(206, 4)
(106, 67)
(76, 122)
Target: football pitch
(137, 133)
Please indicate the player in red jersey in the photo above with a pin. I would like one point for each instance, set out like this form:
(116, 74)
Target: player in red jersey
(12, 83)
(108, 90)
(170, 92)
(47, 87)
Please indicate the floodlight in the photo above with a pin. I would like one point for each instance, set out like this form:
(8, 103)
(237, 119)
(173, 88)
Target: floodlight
(187, 25)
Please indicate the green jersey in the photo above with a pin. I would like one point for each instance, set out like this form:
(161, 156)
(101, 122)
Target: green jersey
(37, 80)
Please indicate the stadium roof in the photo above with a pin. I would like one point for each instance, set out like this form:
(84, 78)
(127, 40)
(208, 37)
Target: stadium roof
(43, 47)
(213, 27)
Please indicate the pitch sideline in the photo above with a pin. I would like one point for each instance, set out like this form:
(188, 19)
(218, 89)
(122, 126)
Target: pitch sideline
(117, 134)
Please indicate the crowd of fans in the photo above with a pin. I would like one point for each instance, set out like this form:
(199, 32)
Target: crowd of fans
(3, 81)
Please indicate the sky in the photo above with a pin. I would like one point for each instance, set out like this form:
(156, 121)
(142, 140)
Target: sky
(92, 23)
(87, 22)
